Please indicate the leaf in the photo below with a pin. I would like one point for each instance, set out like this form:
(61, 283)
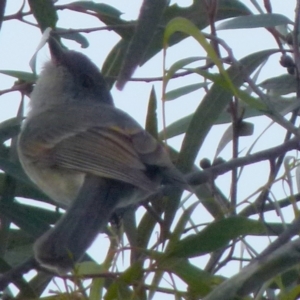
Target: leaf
(181, 224)
(39, 283)
(13, 169)
(26, 190)
(2, 11)
(151, 118)
(108, 15)
(22, 217)
(20, 253)
(180, 126)
(196, 13)
(199, 282)
(44, 12)
(176, 234)
(297, 174)
(75, 36)
(100, 8)
(148, 21)
(185, 26)
(255, 21)
(261, 270)
(180, 64)
(25, 76)
(244, 129)
(280, 85)
(19, 281)
(171, 95)
(212, 105)
(113, 62)
(119, 288)
(9, 128)
(215, 236)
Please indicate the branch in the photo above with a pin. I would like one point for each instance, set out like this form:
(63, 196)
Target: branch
(252, 277)
(200, 177)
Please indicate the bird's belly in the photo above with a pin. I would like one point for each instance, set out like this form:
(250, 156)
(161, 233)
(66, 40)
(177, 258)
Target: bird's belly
(62, 186)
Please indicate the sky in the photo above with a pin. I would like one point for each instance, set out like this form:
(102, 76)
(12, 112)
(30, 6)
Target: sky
(18, 42)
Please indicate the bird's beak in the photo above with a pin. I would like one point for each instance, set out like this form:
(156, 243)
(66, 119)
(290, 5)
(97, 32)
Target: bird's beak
(56, 50)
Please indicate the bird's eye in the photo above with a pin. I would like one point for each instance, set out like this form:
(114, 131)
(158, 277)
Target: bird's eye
(86, 81)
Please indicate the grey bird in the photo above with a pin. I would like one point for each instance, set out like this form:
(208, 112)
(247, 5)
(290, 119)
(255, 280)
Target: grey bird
(85, 154)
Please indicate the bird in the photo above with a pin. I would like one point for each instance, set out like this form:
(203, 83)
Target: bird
(86, 155)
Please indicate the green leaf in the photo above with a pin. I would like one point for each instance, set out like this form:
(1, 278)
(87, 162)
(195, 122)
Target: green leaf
(119, 289)
(180, 64)
(22, 216)
(181, 224)
(199, 282)
(2, 11)
(113, 62)
(44, 12)
(212, 105)
(25, 190)
(19, 281)
(39, 283)
(255, 21)
(185, 26)
(280, 85)
(243, 129)
(151, 118)
(196, 13)
(171, 95)
(13, 169)
(100, 8)
(147, 23)
(215, 236)
(25, 76)
(9, 128)
(180, 126)
(108, 15)
(76, 37)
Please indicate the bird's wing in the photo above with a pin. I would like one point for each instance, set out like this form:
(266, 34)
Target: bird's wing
(100, 140)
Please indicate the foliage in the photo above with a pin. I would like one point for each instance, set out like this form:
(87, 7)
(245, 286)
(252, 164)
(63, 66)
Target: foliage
(231, 93)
